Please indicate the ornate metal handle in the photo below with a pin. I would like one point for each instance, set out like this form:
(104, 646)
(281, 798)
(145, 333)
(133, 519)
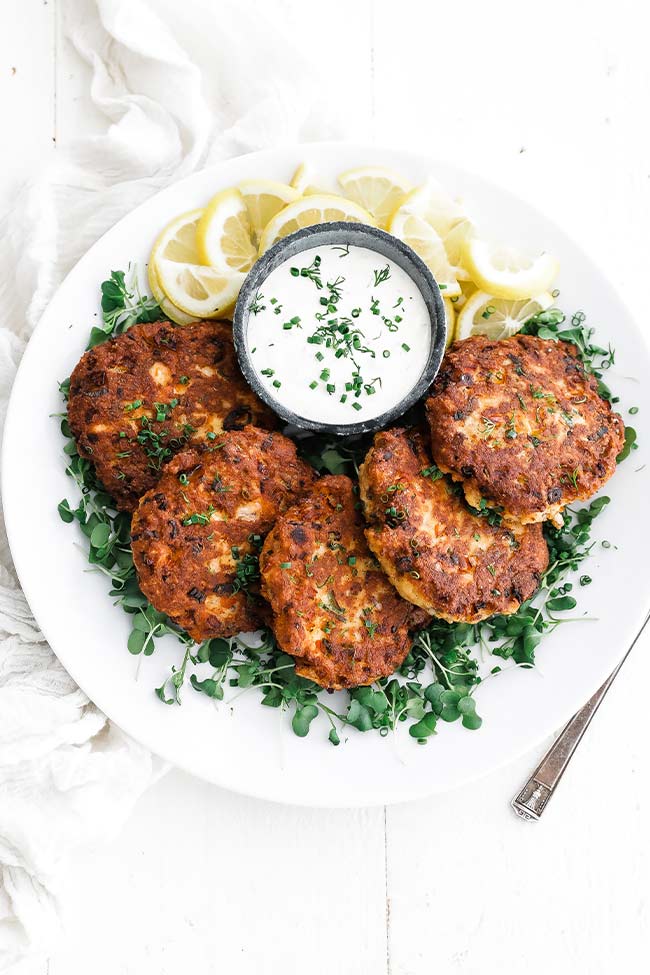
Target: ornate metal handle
(531, 802)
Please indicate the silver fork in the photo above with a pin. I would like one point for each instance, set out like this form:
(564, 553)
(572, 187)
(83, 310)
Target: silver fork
(533, 799)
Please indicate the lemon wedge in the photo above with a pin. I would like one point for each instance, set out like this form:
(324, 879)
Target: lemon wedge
(427, 243)
(310, 210)
(450, 318)
(505, 272)
(168, 308)
(224, 234)
(264, 198)
(497, 318)
(378, 190)
(197, 290)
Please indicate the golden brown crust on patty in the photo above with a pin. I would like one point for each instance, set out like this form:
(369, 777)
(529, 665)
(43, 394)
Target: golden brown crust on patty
(195, 535)
(522, 425)
(114, 387)
(437, 554)
(333, 608)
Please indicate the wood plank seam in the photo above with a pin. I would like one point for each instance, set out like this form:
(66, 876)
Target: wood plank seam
(387, 892)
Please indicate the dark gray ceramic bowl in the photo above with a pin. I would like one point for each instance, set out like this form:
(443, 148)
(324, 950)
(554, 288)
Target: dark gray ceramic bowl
(360, 235)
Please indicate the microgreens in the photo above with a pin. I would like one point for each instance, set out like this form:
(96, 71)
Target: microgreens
(122, 306)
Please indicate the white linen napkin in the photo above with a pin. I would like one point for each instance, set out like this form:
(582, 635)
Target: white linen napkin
(181, 86)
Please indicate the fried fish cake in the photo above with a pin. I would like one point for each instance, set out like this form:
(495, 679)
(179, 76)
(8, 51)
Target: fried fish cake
(334, 610)
(196, 536)
(521, 423)
(141, 397)
(437, 554)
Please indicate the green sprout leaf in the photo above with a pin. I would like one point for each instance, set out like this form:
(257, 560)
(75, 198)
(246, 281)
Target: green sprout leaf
(425, 727)
(302, 719)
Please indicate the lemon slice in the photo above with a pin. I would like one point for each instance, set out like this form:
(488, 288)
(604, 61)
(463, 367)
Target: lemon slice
(427, 243)
(264, 198)
(454, 242)
(199, 291)
(431, 202)
(169, 309)
(305, 180)
(507, 273)
(224, 234)
(498, 318)
(378, 190)
(310, 210)
(450, 318)
(467, 289)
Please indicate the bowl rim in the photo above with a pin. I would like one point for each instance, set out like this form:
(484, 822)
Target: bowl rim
(363, 235)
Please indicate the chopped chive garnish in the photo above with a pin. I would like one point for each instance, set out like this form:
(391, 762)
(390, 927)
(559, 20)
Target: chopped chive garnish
(386, 354)
(407, 348)
(320, 356)
(356, 406)
(313, 384)
(325, 375)
(268, 372)
(277, 383)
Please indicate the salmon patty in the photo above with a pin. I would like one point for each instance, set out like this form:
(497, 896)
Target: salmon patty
(196, 536)
(334, 610)
(438, 555)
(139, 398)
(522, 425)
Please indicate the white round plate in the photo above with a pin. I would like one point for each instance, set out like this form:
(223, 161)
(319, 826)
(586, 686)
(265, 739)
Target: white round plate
(246, 747)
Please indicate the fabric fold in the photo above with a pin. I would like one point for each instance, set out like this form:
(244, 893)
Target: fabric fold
(174, 97)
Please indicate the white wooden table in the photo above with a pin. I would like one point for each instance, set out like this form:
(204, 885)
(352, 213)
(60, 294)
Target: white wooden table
(551, 99)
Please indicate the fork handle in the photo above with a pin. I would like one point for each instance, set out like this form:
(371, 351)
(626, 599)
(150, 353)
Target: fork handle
(531, 802)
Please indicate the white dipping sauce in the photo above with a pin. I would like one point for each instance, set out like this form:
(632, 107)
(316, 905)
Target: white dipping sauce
(339, 334)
